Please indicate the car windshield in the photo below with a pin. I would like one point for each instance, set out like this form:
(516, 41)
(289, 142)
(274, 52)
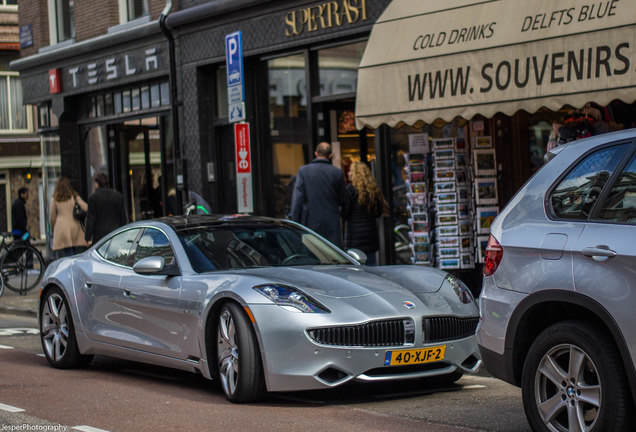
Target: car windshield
(226, 247)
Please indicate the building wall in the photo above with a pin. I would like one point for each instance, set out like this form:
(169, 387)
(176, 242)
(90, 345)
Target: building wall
(36, 13)
(157, 6)
(92, 18)
(18, 180)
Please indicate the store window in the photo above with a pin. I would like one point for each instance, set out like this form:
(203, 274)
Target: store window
(51, 168)
(288, 124)
(61, 20)
(129, 100)
(97, 153)
(539, 142)
(338, 68)
(13, 114)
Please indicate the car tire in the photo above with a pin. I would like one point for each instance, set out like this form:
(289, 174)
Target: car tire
(238, 356)
(573, 372)
(57, 332)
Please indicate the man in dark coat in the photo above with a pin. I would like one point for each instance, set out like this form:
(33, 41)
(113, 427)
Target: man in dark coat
(106, 210)
(319, 192)
(19, 213)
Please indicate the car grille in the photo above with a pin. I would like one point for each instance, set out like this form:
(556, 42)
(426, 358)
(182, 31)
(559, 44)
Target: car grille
(438, 329)
(373, 334)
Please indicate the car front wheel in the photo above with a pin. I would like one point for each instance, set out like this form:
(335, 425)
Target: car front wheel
(57, 332)
(238, 356)
(573, 380)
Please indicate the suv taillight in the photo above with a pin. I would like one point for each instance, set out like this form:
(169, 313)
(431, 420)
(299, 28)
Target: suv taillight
(494, 254)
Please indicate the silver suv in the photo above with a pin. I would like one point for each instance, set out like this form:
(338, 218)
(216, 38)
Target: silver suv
(558, 303)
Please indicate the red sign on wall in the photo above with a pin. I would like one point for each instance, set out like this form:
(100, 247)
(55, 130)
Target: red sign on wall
(55, 81)
(242, 139)
(244, 192)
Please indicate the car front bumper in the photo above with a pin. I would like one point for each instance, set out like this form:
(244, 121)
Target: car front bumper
(292, 361)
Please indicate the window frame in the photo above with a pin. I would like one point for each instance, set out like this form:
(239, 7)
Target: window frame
(54, 24)
(124, 11)
(4, 7)
(27, 108)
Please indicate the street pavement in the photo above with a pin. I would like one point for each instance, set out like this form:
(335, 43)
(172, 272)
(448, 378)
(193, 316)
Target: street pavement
(16, 304)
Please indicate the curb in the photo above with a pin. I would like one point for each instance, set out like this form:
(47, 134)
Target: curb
(12, 310)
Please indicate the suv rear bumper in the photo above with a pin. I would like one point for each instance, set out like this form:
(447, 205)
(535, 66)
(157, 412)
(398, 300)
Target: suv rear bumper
(498, 365)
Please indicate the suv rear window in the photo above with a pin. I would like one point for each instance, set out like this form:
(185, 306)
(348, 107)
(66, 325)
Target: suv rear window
(575, 196)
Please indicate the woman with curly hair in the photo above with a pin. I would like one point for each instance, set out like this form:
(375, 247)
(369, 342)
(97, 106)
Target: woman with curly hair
(68, 234)
(363, 206)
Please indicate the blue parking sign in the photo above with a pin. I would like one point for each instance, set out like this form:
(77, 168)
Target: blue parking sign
(234, 58)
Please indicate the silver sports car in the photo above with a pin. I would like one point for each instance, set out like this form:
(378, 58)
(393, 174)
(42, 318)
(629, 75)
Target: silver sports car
(259, 303)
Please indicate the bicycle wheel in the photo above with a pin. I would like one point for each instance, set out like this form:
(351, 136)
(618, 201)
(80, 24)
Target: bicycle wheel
(22, 268)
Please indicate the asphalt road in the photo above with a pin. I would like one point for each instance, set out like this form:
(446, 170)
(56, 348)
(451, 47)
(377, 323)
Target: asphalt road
(114, 395)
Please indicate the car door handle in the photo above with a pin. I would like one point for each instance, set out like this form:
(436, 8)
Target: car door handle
(127, 292)
(599, 253)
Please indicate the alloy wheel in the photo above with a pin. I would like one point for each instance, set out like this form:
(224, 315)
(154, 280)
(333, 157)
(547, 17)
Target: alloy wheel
(54, 326)
(568, 389)
(228, 354)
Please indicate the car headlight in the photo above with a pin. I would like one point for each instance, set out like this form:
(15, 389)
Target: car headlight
(462, 291)
(289, 296)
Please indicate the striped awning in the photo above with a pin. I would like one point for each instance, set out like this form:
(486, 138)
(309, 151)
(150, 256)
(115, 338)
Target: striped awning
(442, 59)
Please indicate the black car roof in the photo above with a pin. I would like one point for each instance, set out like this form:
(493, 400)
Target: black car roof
(182, 222)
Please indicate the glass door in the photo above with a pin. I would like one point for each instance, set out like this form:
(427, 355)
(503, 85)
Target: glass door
(349, 144)
(139, 171)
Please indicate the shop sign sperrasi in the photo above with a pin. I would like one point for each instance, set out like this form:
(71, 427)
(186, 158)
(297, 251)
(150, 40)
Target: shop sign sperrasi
(497, 57)
(325, 16)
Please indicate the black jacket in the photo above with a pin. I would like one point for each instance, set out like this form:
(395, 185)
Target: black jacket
(361, 229)
(106, 212)
(319, 192)
(19, 216)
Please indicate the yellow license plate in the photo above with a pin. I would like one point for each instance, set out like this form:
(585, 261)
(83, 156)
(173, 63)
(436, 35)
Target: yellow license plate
(414, 356)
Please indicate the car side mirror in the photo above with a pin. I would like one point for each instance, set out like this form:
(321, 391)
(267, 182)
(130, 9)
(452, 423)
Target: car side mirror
(155, 265)
(357, 255)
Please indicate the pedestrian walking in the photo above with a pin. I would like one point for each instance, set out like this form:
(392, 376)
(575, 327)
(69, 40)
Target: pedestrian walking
(19, 214)
(106, 210)
(319, 193)
(68, 233)
(364, 204)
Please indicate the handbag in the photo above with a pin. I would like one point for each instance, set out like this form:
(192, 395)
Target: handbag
(78, 213)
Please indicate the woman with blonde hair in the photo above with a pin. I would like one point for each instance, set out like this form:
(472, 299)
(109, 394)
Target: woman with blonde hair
(68, 233)
(365, 203)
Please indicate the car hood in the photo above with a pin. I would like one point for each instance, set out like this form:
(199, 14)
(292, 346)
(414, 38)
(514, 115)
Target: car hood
(376, 290)
(354, 281)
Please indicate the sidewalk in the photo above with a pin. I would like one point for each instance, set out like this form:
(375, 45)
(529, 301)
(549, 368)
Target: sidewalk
(15, 304)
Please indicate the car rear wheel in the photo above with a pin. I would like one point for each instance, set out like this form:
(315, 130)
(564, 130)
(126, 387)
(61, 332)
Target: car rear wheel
(57, 332)
(238, 356)
(573, 380)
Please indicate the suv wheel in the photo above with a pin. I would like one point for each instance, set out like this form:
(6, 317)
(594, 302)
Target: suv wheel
(573, 380)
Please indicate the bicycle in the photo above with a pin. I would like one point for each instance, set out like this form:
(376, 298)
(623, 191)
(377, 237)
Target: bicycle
(21, 265)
